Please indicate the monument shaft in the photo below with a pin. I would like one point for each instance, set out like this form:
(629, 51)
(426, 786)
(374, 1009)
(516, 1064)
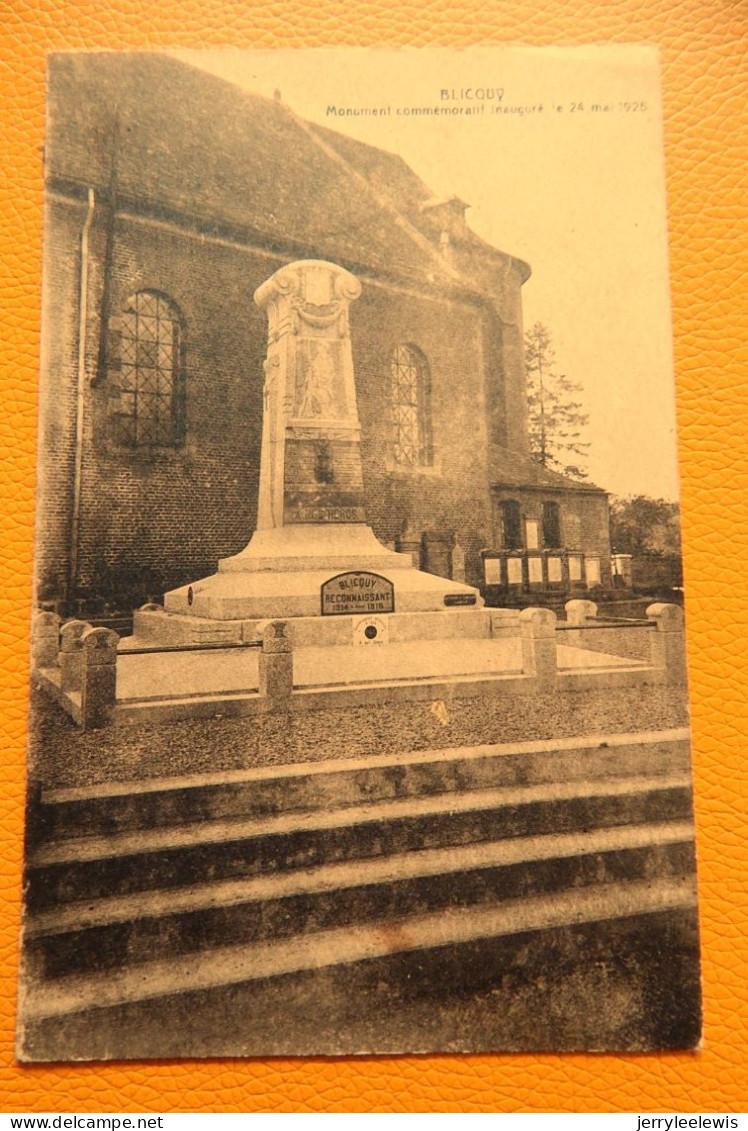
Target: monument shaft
(310, 468)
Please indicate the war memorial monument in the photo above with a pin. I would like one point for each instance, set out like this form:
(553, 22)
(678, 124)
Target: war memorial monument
(525, 895)
(340, 742)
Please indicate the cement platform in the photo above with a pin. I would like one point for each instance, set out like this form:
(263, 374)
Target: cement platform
(201, 673)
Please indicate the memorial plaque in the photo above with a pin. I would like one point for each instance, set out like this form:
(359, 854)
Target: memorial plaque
(452, 599)
(535, 570)
(371, 630)
(322, 507)
(492, 570)
(357, 592)
(514, 571)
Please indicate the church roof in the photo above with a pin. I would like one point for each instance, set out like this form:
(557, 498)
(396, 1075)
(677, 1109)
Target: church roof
(177, 140)
(512, 470)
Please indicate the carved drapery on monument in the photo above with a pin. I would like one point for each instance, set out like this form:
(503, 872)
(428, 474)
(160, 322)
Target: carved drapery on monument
(311, 463)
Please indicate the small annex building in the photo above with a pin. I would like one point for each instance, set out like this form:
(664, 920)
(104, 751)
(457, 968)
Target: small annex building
(171, 195)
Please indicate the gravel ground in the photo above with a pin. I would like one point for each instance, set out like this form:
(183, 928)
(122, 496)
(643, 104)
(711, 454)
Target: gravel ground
(62, 755)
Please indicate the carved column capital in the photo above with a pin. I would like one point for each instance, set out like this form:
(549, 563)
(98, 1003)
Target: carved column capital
(318, 290)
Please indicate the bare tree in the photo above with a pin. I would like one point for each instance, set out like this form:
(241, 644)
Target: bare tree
(556, 419)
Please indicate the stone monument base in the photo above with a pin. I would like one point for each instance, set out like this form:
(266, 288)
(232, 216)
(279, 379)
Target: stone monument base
(302, 546)
(282, 572)
(154, 626)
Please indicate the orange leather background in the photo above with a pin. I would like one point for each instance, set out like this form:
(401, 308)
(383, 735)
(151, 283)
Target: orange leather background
(705, 93)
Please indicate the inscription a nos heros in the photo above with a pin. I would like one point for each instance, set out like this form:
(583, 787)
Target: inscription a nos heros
(357, 592)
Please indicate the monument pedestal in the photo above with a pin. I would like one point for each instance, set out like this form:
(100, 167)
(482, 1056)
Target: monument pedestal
(313, 557)
(282, 574)
(154, 627)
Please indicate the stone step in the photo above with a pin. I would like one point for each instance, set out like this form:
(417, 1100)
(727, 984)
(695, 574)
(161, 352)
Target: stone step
(88, 997)
(118, 931)
(265, 791)
(89, 868)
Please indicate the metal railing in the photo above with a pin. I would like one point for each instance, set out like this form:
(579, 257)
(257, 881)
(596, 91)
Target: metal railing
(608, 624)
(214, 646)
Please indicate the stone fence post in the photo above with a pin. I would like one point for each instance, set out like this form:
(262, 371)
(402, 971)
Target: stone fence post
(668, 642)
(45, 639)
(276, 664)
(579, 612)
(71, 654)
(539, 646)
(98, 676)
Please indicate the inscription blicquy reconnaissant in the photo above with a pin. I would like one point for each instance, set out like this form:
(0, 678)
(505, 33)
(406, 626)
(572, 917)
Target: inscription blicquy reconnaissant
(357, 592)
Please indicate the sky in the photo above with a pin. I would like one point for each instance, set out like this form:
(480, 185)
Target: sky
(576, 189)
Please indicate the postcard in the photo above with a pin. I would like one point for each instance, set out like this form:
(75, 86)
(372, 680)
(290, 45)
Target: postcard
(359, 714)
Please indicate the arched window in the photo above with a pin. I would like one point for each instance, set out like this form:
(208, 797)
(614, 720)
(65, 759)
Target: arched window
(151, 386)
(551, 526)
(511, 524)
(410, 400)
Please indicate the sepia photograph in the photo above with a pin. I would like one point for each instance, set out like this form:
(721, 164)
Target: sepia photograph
(358, 709)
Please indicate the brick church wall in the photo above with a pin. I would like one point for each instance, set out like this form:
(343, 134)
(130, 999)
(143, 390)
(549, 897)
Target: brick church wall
(57, 394)
(583, 520)
(450, 497)
(157, 517)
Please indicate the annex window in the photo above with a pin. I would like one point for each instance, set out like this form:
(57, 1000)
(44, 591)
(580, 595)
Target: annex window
(410, 400)
(151, 371)
(551, 526)
(511, 524)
